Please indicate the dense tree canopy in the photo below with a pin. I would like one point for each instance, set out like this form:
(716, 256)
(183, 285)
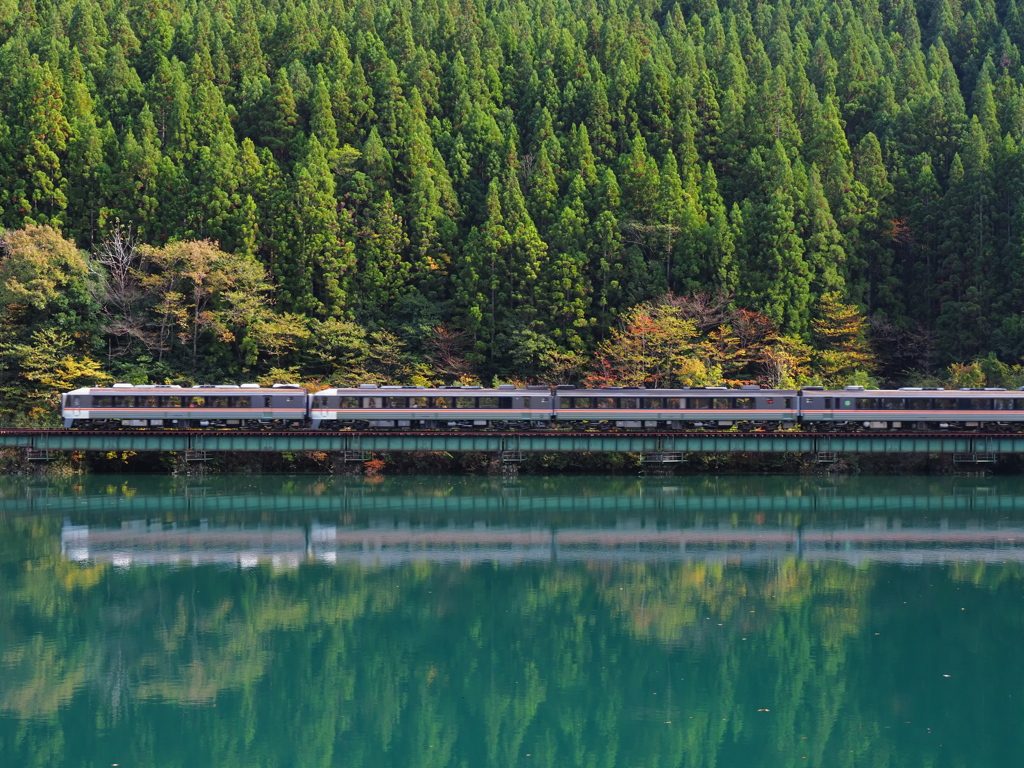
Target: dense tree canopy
(520, 176)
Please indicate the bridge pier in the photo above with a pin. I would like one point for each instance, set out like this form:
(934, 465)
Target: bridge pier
(38, 454)
(505, 463)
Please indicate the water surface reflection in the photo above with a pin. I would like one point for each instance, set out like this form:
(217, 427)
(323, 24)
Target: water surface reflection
(550, 621)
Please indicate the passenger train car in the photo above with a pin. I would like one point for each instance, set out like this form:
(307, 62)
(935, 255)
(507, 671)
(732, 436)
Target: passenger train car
(506, 407)
(386, 407)
(155, 405)
(698, 407)
(910, 408)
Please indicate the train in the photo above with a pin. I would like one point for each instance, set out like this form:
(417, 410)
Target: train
(507, 407)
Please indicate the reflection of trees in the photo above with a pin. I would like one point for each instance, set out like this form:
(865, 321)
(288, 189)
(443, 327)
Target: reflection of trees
(40, 664)
(426, 665)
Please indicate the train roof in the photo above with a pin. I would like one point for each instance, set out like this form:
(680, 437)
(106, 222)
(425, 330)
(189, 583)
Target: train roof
(175, 389)
(904, 392)
(680, 392)
(387, 390)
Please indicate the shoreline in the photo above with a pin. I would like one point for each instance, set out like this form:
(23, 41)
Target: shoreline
(15, 462)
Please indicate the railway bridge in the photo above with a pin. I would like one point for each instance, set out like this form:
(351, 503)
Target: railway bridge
(664, 447)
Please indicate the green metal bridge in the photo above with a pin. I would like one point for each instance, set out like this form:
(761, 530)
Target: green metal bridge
(668, 446)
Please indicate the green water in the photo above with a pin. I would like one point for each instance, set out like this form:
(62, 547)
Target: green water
(471, 622)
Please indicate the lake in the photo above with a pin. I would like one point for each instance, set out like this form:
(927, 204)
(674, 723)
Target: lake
(539, 621)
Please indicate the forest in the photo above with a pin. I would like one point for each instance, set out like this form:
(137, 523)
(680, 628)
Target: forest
(425, 191)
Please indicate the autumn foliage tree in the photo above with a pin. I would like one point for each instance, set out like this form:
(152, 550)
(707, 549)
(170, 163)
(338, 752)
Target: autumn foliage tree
(47, 311)
(841, 347)
(199, 291)
(655, 346)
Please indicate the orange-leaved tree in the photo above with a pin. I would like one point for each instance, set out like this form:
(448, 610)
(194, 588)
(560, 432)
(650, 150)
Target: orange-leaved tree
(654, 346)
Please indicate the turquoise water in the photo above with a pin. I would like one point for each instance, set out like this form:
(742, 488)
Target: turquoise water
(541, 622)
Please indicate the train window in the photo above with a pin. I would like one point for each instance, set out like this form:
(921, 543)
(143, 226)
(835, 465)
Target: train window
(606, 402)
(788, 402)
(222, 402)
(397, 402)
(75, 401)
(418, 402)
(674, 402)
(721, 403)
(864, 403)
(917, 403)
(442, 402)
(488, 402)
(981, 404)
(1000, 404)
(148, 402)
(124, 402)
(700, 403)
(196, 402)
(745, 403)
(348, 402)
(240, 402)
(266, 401)
(828, 403)
(465, 402)
(652, 402)
(579, 402)
(892, 403)
(319, 402)
(526, 402)
(629, 402)
(102, 401)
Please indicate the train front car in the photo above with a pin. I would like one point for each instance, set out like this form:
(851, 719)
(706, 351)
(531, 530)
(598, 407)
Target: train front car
(394, 407)
(912, 408)
(174, 407)
(689, 408)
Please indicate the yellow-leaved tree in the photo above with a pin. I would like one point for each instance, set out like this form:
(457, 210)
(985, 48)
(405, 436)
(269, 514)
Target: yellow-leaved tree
(199, 291)
(47, 365)
(842, 352)
(48, 318)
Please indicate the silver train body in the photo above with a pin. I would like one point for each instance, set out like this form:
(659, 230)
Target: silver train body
(173, 407)
(693, 408)
(910, 408)
(540, 407)
(373, 407)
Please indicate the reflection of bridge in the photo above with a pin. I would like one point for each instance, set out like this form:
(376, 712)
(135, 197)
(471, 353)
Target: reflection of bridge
(668, 500)
(635, 540)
